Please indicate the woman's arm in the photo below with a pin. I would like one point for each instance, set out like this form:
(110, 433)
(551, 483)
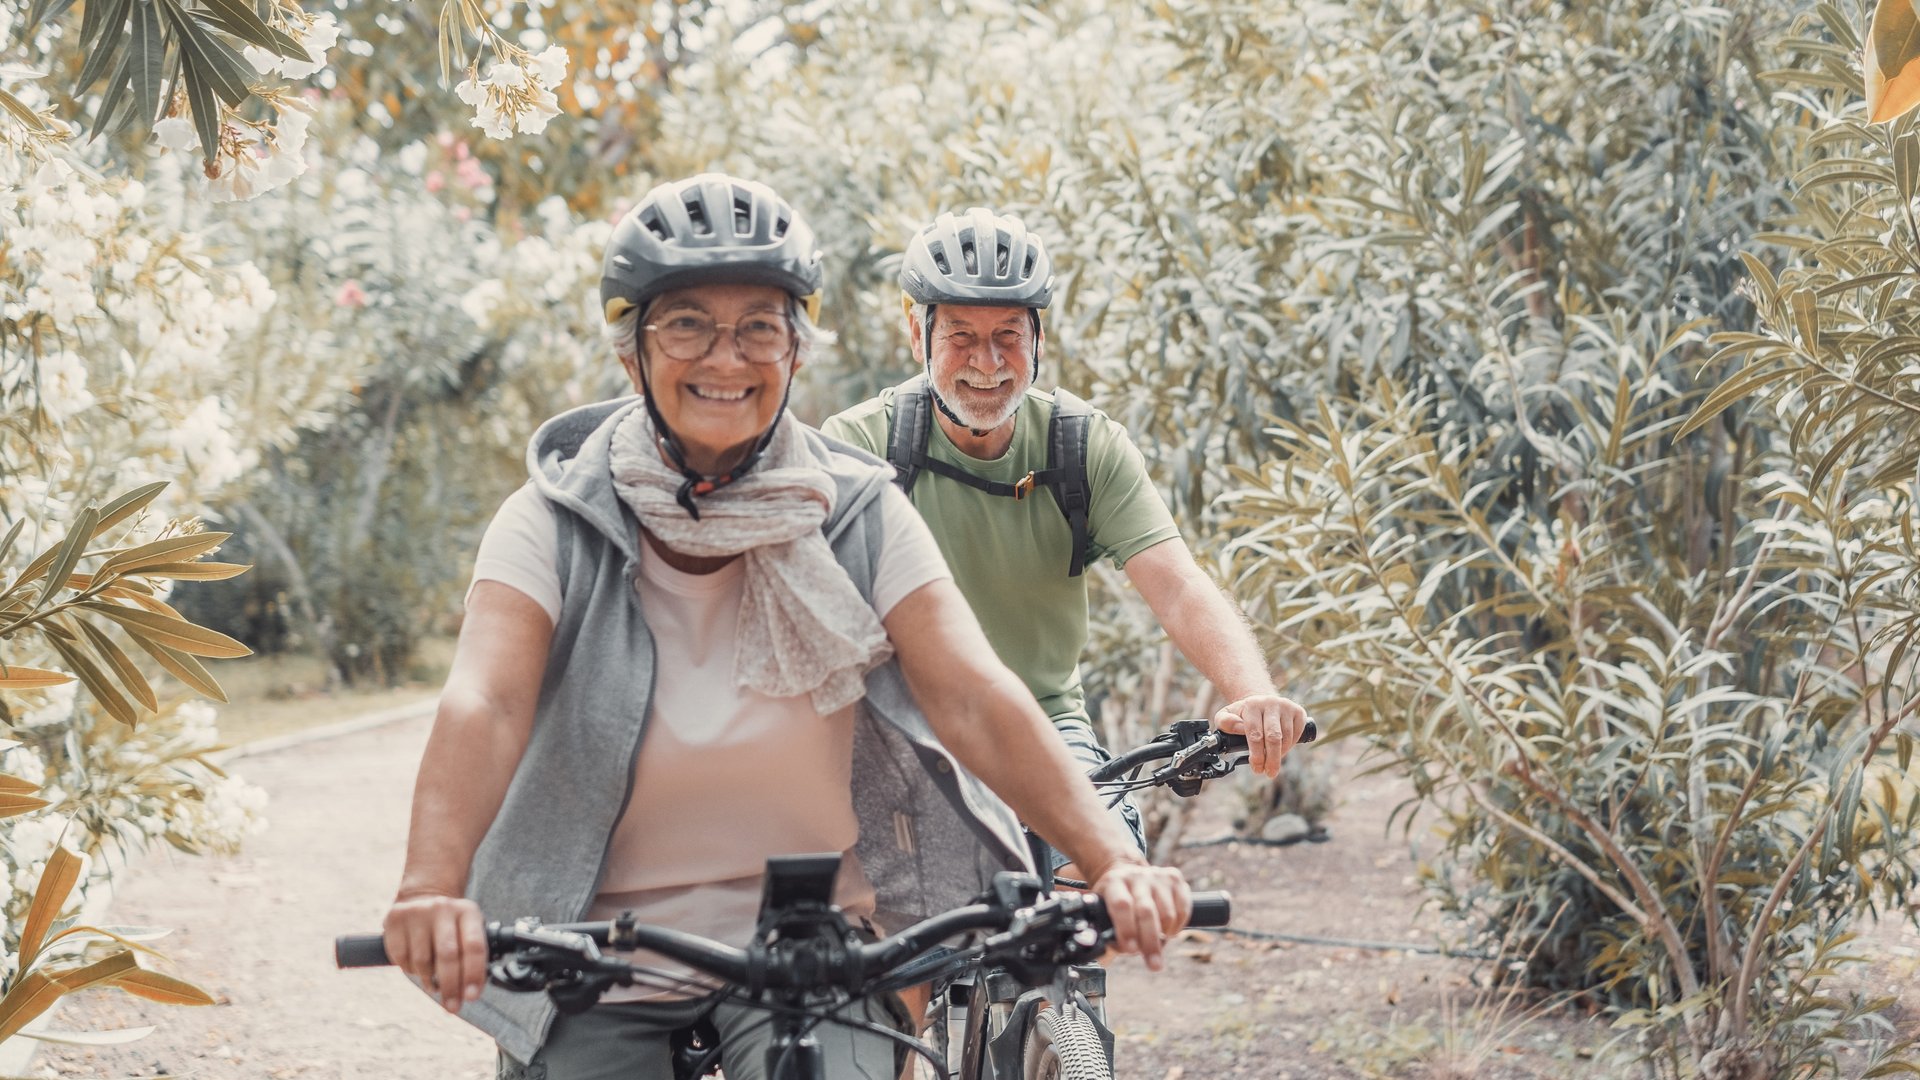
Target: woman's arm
(983, 713)
(479, 734)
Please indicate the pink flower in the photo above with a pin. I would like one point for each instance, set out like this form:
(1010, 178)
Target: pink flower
(460, 151)
(350, 295)
(462, 213)
(445, 139)
(435, 182)
(471, 174)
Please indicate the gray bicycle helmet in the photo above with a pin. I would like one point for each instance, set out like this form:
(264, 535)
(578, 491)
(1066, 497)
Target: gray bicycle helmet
(707, 230)
(977, 257)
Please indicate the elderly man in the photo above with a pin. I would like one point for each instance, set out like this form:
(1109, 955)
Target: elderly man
(973, 441)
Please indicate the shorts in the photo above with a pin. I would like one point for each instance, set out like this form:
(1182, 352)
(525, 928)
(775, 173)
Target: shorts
(1077, 730)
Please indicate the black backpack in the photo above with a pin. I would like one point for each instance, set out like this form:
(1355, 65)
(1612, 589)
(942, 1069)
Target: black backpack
(1065, 474)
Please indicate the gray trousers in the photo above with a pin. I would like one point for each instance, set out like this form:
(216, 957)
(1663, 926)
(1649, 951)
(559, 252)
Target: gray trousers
(1077, 731)
(630, 1041)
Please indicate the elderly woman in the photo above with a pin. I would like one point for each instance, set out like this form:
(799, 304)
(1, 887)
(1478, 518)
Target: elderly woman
(704, 634)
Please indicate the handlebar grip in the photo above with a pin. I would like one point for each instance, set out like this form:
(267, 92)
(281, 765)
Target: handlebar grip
(1231, 743)
(360, 950)
(1211, 909)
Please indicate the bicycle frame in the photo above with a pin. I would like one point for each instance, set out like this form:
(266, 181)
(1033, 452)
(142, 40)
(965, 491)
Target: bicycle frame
(992, 1007)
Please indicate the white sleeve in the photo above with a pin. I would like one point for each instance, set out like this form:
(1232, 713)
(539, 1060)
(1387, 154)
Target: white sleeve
(522, 550)
(909, 557)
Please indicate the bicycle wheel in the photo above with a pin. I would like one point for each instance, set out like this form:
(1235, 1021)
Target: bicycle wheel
(1064, 1046)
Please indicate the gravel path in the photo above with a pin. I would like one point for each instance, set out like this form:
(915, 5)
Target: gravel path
(256, 931)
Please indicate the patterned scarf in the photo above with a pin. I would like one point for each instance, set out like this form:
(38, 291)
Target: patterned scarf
(804, 627)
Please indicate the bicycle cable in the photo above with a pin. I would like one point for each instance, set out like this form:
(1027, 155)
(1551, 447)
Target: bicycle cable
(774, 1010)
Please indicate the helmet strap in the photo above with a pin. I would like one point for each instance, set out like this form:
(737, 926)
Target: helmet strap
(697, 483)
(926, 351)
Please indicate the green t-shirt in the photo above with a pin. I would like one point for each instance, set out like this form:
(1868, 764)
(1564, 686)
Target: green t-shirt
(1010, 558)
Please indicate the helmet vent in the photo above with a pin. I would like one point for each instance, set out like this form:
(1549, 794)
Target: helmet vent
(1026, 271)
(697, 213)
(1001, 257)
(969, 251)
(780, 225)
(939, 252)
(651, 220)
(742, 214)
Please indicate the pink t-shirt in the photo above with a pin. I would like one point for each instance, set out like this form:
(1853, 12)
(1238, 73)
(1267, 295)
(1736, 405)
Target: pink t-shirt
(725, 777)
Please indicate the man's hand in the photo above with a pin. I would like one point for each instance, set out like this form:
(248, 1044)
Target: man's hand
(1148, 904)
(1272, 724)
(440, 941)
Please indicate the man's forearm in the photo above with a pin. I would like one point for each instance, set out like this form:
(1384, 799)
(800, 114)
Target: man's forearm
(1213, 635)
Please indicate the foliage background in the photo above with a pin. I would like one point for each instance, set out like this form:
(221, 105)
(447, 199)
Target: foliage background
(1408, 303)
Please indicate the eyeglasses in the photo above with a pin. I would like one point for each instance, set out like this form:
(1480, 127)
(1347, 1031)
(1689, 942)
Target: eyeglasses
(760, 338)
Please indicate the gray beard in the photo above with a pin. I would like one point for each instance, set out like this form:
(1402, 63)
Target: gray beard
(987, 421)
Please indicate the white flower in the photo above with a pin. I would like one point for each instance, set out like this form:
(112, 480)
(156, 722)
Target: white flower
(507, 76)
(256, 162)
(63, 393)
(176, 133)
(544, 108)
(413, 157)
(205, 439)
(491, 120)
(482, 301)
(263, 61)
(550, 67)
(470, 92)
(318, 36)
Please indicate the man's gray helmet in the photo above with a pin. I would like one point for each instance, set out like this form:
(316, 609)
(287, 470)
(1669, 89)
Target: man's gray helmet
(977, 257)
(712, 229)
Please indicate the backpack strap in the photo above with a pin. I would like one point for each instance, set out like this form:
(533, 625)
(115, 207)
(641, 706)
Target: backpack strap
(1066, 473)
(907, 430)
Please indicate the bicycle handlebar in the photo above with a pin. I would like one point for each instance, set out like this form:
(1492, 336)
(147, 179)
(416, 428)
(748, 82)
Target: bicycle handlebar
(1168, 744)
(851, 967)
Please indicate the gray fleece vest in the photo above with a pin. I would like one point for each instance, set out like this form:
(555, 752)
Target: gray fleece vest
(931, 835)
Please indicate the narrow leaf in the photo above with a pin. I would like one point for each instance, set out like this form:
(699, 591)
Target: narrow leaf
(113, 1037)
(13, 805)
(195, 571)
(162, 988)
(174, 633)
(171, 549)
(128, 505)
(185, 668)
(96, 682)
(24, 678)
(146, 51)
(122, 665)
(62, 872)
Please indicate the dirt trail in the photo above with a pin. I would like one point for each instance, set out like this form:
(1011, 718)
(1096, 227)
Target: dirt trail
(256, 930)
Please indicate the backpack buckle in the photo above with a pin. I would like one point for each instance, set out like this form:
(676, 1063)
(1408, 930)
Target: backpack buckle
(1023, 487)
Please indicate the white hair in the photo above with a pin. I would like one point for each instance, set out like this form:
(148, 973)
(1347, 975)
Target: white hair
(625, 332)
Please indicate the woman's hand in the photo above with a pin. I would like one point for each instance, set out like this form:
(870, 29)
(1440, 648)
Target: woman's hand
(1148, 904)
(441, 942)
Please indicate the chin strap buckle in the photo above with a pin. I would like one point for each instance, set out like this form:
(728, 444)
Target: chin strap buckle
(1023, 487)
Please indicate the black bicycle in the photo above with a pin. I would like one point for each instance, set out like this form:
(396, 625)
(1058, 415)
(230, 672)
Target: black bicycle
(806, 960)
(1013, 1027)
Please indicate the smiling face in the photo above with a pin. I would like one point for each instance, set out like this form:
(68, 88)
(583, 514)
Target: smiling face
(719, 403)
(983, 361)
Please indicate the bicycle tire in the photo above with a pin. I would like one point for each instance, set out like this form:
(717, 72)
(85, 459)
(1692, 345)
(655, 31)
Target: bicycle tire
(1064, 1046)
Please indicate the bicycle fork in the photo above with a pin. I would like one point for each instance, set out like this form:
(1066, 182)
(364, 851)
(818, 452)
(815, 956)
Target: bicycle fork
(999, 1036)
